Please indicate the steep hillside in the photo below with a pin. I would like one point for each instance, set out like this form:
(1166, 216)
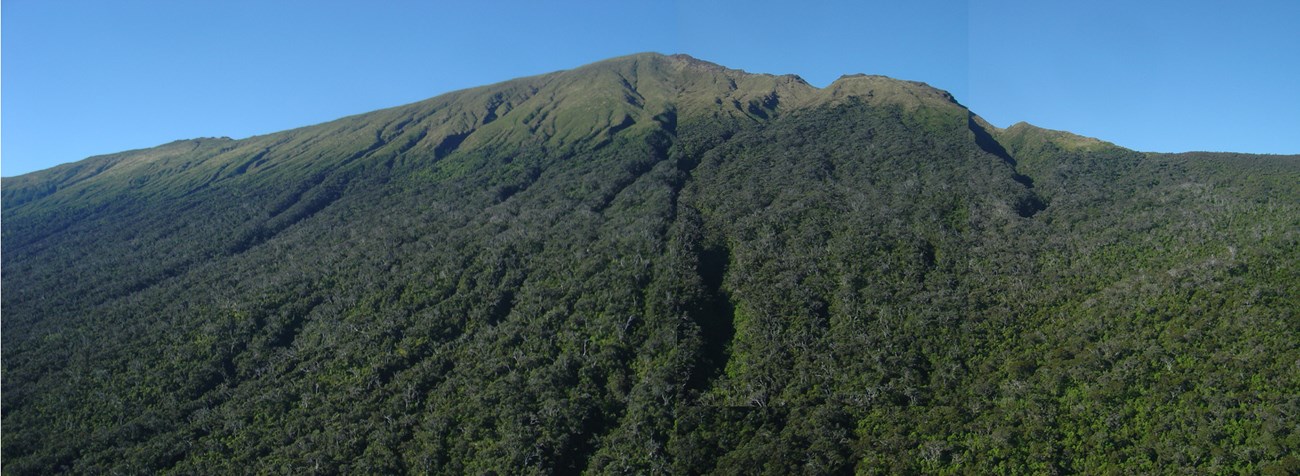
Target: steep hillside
(653, 264)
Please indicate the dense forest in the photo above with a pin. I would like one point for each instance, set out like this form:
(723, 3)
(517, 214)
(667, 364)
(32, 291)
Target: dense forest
(654, 265)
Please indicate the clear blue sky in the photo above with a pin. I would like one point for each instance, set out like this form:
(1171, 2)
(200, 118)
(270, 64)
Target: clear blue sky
(82, 78)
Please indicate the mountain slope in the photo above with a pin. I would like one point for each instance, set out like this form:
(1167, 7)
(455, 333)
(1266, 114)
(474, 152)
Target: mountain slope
(652, 264)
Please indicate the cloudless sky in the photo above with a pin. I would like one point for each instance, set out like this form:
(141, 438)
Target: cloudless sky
(82, 78)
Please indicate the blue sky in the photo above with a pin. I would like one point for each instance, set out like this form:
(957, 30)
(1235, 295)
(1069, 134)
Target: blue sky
(81, 78)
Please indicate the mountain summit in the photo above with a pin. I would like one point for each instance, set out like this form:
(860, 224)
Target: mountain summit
(561, 110)
(653, 264)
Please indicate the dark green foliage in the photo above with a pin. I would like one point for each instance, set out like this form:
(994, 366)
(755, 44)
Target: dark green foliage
(654, 265)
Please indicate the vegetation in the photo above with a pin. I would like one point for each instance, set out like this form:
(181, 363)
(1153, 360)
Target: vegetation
(654, 265)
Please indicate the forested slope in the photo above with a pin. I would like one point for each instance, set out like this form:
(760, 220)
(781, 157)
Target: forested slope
(654, 264)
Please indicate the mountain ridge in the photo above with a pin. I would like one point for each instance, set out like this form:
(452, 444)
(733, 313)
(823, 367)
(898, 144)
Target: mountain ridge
(849, 85)
(653, 265)
(555, 110)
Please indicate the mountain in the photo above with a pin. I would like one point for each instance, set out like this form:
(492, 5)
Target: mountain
(654, 264)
